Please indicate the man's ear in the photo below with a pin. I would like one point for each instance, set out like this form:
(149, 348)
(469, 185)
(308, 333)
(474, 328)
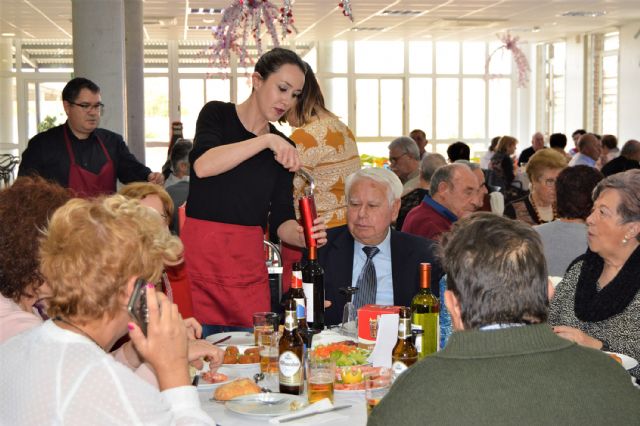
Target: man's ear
(395, 209)
(453, 306)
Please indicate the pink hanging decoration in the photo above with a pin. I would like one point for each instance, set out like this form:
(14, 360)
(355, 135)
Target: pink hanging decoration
(345, 5)
(242, 18)
(286, 18)
(510, 43)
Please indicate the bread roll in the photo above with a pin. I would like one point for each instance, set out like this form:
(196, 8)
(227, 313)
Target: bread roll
(238, 387)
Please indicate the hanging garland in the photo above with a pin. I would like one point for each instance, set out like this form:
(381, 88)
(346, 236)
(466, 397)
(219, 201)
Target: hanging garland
(239, 20)
(510, 43)
(345, 5)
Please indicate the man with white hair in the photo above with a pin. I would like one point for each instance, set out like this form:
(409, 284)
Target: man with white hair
(404, 159)
(368, 254)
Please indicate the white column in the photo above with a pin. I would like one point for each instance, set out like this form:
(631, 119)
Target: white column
(6, 96)
(628, 88)
(99, 54)
(134, 47)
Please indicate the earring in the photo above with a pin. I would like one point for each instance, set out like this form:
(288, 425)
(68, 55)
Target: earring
(625, 240)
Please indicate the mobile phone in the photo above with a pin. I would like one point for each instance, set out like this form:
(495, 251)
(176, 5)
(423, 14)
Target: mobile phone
(137, 307)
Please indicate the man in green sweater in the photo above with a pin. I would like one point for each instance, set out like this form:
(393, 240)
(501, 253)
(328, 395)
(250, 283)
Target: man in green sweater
(503, 364)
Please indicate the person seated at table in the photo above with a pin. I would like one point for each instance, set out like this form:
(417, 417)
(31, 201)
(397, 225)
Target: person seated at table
(428, 165)
(539, 205)
(25, 209)
(628, 159)
(453, 194)
(597, 303)
(382, 262)
(458, 151)
(503, 364)
(565, 238)
(91, 255)
(175, 281)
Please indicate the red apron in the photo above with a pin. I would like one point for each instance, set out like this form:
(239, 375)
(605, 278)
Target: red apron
(228, 273)
(86, 184)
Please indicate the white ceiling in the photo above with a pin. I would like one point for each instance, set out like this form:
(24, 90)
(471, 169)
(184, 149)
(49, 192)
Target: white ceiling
(322, 19)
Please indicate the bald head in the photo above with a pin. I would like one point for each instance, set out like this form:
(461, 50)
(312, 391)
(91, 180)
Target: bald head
(631, 150)
(590, 146)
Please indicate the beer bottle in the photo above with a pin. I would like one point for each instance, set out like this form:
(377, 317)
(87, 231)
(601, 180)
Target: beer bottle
(290, 353)
(404, 353)
(297, 294)
(313, 285)
(425, 314)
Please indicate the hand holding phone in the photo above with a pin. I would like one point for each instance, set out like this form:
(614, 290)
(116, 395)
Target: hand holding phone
(137, 306)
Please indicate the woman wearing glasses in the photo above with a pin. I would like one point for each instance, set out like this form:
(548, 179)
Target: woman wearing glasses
(539, 206)
(78, 154)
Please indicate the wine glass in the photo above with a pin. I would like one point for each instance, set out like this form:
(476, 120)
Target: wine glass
(349, 325)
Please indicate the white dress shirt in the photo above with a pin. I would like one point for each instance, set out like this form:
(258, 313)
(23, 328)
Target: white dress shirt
(382, 263)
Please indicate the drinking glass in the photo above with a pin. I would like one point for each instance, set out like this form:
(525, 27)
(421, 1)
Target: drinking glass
(321, 375)
(264, 322)
(268, 344)
(376, 386)
(349, 326)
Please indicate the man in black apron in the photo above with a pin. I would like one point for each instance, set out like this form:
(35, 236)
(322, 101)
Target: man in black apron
(78, 154)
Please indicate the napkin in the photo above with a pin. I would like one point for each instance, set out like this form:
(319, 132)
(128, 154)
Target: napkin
(385, 341)
(323, 404)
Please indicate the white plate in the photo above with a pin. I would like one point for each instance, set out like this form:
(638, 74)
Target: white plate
(349, 392)
(326, 337)
(254, 405)
(238, 338)
(627, 362)
(204, 385)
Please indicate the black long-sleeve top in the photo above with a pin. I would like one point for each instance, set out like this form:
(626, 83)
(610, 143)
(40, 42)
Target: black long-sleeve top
(46, 155)
(254, 190)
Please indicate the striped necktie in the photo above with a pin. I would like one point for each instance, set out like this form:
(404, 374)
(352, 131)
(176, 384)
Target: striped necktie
(367, 282)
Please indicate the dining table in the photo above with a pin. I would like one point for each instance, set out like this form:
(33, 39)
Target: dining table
(355, 415)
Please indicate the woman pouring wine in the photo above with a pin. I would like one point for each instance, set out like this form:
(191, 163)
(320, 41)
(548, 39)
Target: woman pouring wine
(241, 181)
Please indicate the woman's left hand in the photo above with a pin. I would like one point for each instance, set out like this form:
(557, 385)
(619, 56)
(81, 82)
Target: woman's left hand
(577, 336)
(201, 349)
(194, 329)
(319, 232)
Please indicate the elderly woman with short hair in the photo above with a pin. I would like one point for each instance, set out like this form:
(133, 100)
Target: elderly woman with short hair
(91, 255)
(539, 206)
(597, 303)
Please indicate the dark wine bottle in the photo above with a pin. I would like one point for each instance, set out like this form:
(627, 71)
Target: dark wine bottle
(313, 285)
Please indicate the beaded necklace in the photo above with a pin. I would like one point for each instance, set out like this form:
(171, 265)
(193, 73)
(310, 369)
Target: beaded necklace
(538, 217)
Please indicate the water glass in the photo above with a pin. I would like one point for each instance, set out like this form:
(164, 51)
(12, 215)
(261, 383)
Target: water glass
(264, 322)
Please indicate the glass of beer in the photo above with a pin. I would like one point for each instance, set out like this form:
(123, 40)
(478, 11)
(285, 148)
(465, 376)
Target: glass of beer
(376, 386)
(264, 322)
(268, 344)
(321, 374)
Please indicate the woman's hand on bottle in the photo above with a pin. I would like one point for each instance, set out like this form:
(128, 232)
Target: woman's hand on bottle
(283, 152)
(319, 230)
(165, 345)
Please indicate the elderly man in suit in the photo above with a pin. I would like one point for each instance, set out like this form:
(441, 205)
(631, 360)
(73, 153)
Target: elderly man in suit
(368, 253)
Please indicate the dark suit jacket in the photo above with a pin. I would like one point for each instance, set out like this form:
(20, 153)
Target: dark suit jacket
(407, 252)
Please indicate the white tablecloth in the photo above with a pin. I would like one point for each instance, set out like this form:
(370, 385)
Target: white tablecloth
(354, 416)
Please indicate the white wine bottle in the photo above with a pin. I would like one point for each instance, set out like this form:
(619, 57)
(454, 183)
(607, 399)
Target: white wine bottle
(425, 315)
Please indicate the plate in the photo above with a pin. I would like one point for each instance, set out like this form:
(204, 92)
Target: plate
(237, 366)
(326, 337)
(204, 385)
(627, 362)
(238, 338)
(257, 405)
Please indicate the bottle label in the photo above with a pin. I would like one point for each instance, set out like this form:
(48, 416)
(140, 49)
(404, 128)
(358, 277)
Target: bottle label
(301, 310)
(418, 337)
(404, 328)
(290, 321)
(296, 279)
(308, 292)
(290, 369)
(398, 368)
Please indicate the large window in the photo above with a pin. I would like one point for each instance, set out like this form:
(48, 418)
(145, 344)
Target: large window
(610, 84)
